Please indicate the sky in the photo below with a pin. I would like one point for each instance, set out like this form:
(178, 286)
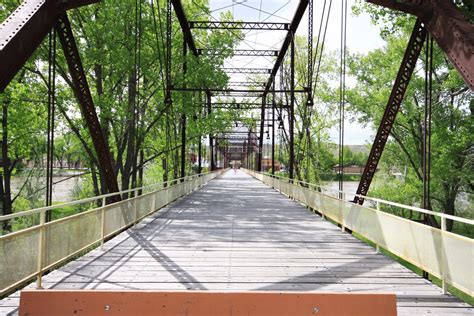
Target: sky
(362, 37)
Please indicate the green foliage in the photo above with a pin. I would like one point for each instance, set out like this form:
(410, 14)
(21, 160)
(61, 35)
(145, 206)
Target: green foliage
(452, 128)
(110, 55)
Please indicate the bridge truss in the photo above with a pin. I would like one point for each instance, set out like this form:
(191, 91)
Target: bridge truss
(27, 27)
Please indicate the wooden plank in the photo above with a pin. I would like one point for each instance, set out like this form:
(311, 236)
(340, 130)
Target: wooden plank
(196, 303)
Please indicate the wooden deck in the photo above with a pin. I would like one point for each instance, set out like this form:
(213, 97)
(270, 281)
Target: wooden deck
(238, 234)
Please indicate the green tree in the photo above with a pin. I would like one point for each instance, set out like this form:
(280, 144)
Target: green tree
(452, 113)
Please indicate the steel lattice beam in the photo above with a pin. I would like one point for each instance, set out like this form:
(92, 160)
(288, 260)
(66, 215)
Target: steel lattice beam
(239, 52)
(246, 84)
(288, 39)
(449, 27)
(84, 97)
(191, 89)
(250, 71)
(212, 25)
(188, 36)
(24, 30)
(405, 72)
(238, 94)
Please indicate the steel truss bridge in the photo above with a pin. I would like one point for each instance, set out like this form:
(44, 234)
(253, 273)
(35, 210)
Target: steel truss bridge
(316, 254)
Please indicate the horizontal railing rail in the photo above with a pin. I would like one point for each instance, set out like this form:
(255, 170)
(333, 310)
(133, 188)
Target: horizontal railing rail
(29, 253)
(377, 201)
(447, 256)
(101, 198)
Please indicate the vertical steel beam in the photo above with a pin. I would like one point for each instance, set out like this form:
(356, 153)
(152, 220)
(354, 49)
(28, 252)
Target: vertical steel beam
(200, 155)
(273, 127)
(51, 121)
(84, 97)
(248, 151)
(310, 52)
(183, 115)
(292, 107)
(169, 29)
(260, 138)
(415, 44)
(211, 140)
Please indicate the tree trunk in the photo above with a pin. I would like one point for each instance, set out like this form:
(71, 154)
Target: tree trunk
(449, 207)
(131, 133)
(164, 165)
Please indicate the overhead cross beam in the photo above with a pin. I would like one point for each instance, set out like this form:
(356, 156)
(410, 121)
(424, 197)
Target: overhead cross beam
(237, 106)
(449, 27)
(240, 52)
(245, 84)
(238, 94)
(212, 25)
(250, 71)
(233, 90)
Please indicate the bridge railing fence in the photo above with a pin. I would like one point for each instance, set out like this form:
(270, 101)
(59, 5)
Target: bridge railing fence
(446, 255)
(29, 253)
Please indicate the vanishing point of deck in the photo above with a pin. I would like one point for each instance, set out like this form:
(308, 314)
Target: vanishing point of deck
(238, 234)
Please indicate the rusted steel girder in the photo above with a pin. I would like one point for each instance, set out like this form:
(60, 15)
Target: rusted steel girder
(405, 72)
(24, 30)
(260, 137)
(84, 97)
(236, 25)
(183, 21)
(240, 52)
(449, 27)
(286, 43)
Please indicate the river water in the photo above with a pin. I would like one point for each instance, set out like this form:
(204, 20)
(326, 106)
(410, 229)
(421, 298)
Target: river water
(62, 191)
(350, 187)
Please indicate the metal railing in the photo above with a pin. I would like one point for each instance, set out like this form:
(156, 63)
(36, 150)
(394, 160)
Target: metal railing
(447, 256)
(29, 253)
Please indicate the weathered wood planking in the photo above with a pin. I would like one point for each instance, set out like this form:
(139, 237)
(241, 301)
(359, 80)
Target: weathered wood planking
(237, 234)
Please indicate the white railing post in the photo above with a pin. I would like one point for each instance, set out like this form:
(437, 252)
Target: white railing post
(135, 208)
(102, 224)
(377, 248)
(41, 245)
(444, 286)
(153, 202)
(341, 209)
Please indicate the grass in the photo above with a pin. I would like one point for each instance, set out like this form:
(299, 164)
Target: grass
(58, 213)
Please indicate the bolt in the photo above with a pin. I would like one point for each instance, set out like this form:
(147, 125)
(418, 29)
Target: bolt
(315, 310)
(107, 307)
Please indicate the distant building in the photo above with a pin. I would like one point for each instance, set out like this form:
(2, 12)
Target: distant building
(267, 164)
(350, 169)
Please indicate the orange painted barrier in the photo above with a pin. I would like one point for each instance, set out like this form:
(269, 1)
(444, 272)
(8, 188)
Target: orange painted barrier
(204, 303)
